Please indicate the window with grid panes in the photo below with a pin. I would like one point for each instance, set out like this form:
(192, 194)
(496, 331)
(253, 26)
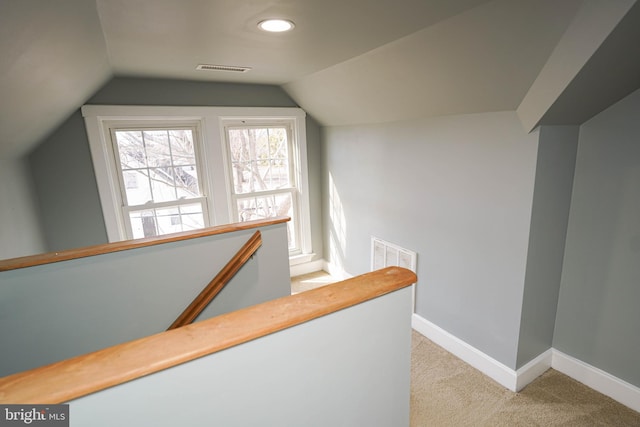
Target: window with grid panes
(159, 180)
(261, 165)
(161, 169)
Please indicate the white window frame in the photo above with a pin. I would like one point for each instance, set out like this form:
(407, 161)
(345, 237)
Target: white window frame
(210, 121)
(126, 207)
(294, 157)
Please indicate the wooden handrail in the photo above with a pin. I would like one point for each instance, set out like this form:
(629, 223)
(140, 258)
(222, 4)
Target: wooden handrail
(82, 375)
(51, 257)
(218, 283)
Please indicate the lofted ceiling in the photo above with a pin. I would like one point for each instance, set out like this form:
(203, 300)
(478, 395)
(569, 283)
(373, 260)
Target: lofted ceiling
(346, 62)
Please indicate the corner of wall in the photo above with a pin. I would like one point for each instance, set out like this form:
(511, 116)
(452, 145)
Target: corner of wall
(597, 379)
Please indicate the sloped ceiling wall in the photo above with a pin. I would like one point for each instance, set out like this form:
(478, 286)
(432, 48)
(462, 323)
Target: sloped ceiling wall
(345, 62)
(483, 59)
(53, 57)
(593, 65)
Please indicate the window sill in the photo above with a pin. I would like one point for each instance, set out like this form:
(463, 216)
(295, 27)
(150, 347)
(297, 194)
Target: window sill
(300, 258)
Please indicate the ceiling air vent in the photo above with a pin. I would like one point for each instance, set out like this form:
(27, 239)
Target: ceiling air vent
(230, 68)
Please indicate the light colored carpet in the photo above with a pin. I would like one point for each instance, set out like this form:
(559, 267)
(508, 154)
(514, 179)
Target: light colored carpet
(445, 391)
(310, 281)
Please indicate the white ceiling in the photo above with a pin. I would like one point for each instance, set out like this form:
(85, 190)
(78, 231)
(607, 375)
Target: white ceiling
(483, 59)
(168, 38)
(346, 62)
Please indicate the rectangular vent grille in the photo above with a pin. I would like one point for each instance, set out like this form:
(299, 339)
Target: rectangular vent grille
(229, 68)
(385, 254)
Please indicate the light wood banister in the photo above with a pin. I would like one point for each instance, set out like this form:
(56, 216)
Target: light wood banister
(73, 378)
(51, 257)
(218, 283)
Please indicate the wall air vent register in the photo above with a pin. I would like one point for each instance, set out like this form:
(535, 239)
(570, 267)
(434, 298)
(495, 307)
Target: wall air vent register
(385, 254)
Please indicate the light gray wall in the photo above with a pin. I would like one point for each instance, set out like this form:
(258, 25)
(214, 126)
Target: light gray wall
(147, 91)
(19, 225)
(349, 368)
(557, 147)
(65, 187)
(598, 316)
(314, 161)
(457, 190)
(56, 311)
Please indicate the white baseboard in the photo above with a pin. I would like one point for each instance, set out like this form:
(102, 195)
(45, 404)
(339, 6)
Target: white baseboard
(534, 369)
(336, 271)
(320, 264)
(597, 379)
(492, 368)
(306, 267)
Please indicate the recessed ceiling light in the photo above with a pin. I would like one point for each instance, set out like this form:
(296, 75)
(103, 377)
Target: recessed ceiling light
(276, 25)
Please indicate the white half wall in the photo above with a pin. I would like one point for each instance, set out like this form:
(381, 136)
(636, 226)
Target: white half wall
(59, 310)
(349, 368)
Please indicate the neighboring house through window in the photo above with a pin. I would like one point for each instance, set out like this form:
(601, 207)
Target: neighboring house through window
(160, 184)
(168, 169)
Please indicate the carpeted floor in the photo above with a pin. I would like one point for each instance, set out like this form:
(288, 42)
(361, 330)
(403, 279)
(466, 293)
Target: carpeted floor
(445, 391)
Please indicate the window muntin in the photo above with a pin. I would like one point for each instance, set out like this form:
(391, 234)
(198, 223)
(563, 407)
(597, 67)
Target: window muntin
(159, 180)
(212, 161)
(159, 221)
(263, 182)
(268, 206)
(259, 158)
